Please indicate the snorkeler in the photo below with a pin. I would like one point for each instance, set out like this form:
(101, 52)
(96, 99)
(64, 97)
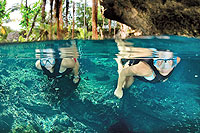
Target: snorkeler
(146, 69)
(56, 68)
(66, 63)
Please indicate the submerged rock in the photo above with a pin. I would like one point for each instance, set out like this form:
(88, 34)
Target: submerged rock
(173, 17)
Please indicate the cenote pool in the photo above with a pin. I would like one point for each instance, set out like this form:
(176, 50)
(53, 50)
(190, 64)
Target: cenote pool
(29, 102)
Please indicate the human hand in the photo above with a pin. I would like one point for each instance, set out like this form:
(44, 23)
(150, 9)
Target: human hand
(76, 79)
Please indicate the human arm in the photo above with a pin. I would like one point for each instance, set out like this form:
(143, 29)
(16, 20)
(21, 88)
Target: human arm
(37, 65)
(76, 72)
(74, 64)
(124, 73)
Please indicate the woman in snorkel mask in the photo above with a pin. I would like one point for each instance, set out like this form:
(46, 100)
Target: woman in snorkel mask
(149, 69)
(48, 63)
(165, 62)
(57, 68)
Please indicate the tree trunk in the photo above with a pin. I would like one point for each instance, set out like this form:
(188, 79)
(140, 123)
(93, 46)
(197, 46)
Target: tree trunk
(67, 10)
(73, 20)
(60, 15)
(115, 25)
(57, 8)
(109, 25)
(84, 30)
(33, 24)
(94, 19)
(103, 25)
(26, 11)
(51, 15)
(43, 10)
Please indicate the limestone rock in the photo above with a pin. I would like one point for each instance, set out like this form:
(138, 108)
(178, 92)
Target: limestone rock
(156, 17)
(13, 36)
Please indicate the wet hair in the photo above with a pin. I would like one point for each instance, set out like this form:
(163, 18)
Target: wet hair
(165, 54)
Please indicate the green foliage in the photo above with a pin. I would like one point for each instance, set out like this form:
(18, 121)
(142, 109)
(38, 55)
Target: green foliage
(4, 15)
(28, 14)
(21, 39)
(3, 33)
(41, 30)
(100, 18)
(81, 33)
(80, 20)
(80, 14)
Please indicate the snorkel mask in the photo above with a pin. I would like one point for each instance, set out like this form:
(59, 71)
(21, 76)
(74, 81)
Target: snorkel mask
(165, 63)
(48, 62)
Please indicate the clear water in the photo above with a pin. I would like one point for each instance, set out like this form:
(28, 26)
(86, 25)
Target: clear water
(29, 104)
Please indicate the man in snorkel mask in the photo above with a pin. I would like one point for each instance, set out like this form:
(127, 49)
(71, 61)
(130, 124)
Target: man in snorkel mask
(147, 69)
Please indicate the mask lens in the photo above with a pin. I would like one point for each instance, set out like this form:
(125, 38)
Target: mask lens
(43, 62)
(47, 62)
(51, 61)
(165, 63)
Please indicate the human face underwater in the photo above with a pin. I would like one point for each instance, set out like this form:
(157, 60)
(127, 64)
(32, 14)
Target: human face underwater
(166, 63)
(48, 63)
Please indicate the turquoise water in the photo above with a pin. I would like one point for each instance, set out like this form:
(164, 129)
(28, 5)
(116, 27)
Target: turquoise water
(28, 102)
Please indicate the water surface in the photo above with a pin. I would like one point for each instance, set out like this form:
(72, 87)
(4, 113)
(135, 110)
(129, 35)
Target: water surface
(29, 102)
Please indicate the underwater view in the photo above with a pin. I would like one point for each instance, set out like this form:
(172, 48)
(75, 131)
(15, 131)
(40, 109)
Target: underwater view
(31, 101)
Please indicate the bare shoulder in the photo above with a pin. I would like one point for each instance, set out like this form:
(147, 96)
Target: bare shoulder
(68, 62)
(37, 65)
(141, 69)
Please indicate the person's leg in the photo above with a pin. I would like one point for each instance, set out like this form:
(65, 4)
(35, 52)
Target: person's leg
(129, 81)
(126, 72)
(76, 72)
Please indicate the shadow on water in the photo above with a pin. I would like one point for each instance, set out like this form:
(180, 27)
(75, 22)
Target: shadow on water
(120, 127)
(186, 127)
(146, 112)
(6, 123)
(97, 117)
(60, 88)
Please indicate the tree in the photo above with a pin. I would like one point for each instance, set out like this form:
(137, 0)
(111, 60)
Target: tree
(29, 18)
(109, 25)
(51, 19)
(80, 14)
(33, 24)
(94, 19)
(67, 10)
(73, 20)
(60, 14)
(57, 8)
(43, 10)
(4, 15)
(27, 10)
